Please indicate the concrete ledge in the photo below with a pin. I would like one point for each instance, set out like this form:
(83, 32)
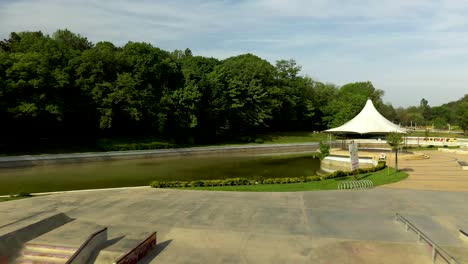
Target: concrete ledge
(139, 252)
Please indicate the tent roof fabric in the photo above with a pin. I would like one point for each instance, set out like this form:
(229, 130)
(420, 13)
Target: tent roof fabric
(368, 121)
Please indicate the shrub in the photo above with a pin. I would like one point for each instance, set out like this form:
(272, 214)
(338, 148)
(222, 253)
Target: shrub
(23, 194)
(261, 180)
(313, 178)
(324, 150)
(157, 184)
(269, 181)
(196, 183)
(259, 141)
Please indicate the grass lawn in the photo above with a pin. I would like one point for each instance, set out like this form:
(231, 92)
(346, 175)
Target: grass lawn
(382, 177)
(293, 137)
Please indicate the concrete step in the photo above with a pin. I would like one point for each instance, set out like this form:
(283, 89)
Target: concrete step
(63, 250)
(15, 233)
(44, 253)
(31, 256)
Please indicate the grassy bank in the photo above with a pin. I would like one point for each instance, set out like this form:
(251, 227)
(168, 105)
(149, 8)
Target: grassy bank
(381, 177)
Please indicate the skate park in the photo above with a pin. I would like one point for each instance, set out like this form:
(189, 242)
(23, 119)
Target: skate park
(422, 219)
(359, 226)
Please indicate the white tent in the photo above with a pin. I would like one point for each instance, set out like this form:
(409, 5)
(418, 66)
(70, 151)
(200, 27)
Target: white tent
(368, 121)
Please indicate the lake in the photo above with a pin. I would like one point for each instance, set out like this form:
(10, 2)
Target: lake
(140, 172)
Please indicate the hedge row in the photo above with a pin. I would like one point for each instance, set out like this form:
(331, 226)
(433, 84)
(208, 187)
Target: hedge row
(245, 181)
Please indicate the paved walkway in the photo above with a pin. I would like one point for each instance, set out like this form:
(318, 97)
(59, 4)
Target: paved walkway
(440, 172)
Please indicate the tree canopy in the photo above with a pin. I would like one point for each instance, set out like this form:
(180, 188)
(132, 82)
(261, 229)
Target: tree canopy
(63, 86)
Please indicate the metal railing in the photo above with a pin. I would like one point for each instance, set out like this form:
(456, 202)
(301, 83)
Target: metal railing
(436, 249)
(355, 185)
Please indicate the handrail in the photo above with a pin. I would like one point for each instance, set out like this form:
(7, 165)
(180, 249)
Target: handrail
(436, 249)
(69, 261)
(151, 236)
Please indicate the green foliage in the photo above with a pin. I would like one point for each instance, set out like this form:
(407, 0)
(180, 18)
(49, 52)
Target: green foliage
(65, 88)
(245, 181)
(324, 150)
(462, 115)
(395, 139)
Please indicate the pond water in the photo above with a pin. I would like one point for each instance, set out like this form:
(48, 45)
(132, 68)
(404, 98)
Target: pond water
(139, 172)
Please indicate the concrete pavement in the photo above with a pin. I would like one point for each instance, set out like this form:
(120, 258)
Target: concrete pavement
(300, 227)
(440, 171)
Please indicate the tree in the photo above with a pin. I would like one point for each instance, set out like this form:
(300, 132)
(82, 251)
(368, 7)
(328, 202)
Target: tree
(395, 140)
(425, 110)
(462, 116)
(350, 99)
(243, 95)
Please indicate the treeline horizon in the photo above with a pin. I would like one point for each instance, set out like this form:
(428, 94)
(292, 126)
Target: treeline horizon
(64, 87)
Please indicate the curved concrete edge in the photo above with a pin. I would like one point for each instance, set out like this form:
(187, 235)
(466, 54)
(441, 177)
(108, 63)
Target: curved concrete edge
(456, 151)
(84, 190)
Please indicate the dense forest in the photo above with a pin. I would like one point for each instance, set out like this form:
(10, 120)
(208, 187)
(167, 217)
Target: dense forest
(63, 87)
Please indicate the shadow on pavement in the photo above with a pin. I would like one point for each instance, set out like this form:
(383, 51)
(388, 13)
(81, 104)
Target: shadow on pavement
(105, 245)
(159, 248)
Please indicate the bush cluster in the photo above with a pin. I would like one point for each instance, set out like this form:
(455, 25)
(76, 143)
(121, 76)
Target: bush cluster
(135, 146)
(245, 181)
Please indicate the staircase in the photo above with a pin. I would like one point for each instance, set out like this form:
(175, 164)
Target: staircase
(33, 253)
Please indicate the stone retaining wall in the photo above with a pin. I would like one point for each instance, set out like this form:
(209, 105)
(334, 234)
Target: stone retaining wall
(338, 162)
(37, 160)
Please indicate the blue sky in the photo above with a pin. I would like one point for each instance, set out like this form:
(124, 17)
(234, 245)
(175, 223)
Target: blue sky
(409, 48)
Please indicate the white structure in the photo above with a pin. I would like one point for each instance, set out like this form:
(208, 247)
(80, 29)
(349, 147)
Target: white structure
(368, 121)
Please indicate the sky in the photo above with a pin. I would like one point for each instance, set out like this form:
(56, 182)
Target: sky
(410, 49)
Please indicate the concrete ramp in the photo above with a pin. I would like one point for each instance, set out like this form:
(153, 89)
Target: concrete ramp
(442, 235)
(122, 239)
(58, 245)
(14, 234)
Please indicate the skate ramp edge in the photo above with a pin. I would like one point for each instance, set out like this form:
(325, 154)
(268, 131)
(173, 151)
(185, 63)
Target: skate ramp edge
(139, 251)
(85, 251)
(463, 235)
